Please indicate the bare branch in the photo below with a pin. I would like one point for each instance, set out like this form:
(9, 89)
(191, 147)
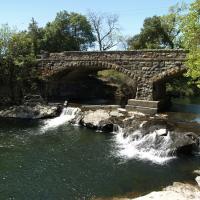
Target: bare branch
(106, 30)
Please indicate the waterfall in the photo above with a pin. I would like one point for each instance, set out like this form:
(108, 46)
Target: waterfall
(67, 115)
(154, 146)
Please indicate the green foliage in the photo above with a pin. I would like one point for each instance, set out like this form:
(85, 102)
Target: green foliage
(17, 63)
(171, 24)
(191, 38)
(113, 76)
(68, 32)
(179, 88)
(126, 85)
(151, 35)
(18, 50)
(160, 31)
(36, 35)
(175, 30)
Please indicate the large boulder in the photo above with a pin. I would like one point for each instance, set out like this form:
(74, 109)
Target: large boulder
(160, 136)
(170, 139)
(96, 119)
(31, 112)
(33, 107)
(102, 120)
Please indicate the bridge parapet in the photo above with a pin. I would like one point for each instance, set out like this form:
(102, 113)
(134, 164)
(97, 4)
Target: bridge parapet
(162, 55)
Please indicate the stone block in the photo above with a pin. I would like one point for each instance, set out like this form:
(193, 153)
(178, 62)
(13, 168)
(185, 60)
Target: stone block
(145, 110)
(143, 103)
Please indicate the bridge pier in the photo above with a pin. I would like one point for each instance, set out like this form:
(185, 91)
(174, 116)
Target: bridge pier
(143, 106)
(150, 98)
(144, 91)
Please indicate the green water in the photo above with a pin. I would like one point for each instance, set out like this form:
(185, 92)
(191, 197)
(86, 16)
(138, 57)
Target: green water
(73, 163)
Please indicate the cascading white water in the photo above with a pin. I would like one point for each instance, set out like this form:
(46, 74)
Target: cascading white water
(67, 115)
(144, 147)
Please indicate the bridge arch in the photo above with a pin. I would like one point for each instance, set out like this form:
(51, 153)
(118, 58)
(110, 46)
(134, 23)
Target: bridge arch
(159, 81)
(53, 70)
(147, 67)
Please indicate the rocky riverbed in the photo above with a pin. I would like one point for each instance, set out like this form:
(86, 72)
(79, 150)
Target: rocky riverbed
(148, 133)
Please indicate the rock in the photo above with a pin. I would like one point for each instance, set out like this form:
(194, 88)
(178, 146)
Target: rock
(178, 191)
(197, 179)
(5, 101)
(33, 107)
(92, 119)
(137, 113)
(31, 112)
(116, 113)
(100, 119)
(159, 136)
(122, 110)
(183, 144)
(33, 100)
(196, 172)
(175, 142)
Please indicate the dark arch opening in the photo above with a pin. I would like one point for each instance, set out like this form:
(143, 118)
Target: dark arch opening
(89, 86)
(173, 87)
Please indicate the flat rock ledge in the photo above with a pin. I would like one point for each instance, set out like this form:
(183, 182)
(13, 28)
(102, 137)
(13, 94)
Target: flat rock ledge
(178, 191)
(31, 112)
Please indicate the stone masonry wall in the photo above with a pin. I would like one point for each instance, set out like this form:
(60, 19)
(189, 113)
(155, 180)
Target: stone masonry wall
(147, 67)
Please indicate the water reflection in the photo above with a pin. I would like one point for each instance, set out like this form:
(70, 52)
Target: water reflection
(186, 109)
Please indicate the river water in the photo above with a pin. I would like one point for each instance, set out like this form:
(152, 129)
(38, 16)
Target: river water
(52, 160)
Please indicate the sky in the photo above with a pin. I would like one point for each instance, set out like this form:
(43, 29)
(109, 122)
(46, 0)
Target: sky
(132, 13)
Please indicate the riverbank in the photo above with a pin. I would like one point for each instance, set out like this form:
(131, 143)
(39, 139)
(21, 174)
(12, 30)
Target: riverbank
(177, 191)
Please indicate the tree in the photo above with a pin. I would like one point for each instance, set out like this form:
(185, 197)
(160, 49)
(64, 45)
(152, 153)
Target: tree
(20, 63)
(191, 38)
(17, 62)
(152, 35)
(36, 35)
(171, 24)
(160, 31)
(18, 50)
(68, 32)
(6, 33)
(106, 30)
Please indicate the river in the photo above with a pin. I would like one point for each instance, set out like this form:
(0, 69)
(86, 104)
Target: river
(47, 159)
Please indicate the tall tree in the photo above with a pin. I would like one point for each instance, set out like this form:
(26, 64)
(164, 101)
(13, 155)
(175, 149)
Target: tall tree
(171, 24)
(191, 38)
(69, 31)
(17, 62)
(106, 30)
(36, 35)
(152, 35)
(160, 31)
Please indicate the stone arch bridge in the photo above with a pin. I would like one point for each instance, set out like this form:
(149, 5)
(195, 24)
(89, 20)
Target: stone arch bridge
(150, 69)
